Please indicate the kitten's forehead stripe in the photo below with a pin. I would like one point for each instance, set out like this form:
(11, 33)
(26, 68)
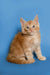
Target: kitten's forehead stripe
(29, 22)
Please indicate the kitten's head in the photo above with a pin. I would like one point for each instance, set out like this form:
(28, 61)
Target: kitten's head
(30, 27)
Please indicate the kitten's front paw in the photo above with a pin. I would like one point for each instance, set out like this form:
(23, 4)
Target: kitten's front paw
(42, 58)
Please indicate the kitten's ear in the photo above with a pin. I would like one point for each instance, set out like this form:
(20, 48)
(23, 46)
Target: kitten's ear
(36, 19)
(22, 22)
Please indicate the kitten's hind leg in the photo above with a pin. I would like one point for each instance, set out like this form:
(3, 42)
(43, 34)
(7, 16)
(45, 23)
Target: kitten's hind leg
(29, 55)
(24, 60)
(18, 60)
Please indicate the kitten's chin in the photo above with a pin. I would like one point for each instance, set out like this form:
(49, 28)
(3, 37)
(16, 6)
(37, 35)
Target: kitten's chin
(31, 34)
(28, 33)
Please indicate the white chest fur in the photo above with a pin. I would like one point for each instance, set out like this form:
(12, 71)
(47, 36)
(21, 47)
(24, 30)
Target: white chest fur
(35, 37)
(35, 42)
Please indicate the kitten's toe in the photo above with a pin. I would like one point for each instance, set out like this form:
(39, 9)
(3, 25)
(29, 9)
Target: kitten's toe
(31, 61)
(42, 58)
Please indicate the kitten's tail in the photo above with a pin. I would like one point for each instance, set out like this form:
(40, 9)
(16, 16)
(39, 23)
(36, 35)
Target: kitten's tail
(13, 59)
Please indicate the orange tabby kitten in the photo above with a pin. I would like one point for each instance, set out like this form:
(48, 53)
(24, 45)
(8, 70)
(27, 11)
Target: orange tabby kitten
(25, 43)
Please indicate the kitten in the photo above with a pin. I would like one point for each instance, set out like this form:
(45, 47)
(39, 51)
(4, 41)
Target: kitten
(25, 43)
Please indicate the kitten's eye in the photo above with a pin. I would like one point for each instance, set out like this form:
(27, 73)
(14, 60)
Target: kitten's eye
(33, 26)
(27, 27)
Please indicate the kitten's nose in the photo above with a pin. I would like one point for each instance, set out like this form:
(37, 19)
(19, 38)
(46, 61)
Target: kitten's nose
(31, 30)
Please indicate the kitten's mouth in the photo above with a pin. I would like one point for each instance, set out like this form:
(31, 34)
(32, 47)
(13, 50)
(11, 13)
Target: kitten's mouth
(30, 33)
(27, 30)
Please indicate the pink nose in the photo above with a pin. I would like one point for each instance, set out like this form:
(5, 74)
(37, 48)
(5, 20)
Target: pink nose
(31, 30)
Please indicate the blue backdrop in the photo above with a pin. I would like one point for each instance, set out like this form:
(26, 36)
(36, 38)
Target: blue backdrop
(10, 13)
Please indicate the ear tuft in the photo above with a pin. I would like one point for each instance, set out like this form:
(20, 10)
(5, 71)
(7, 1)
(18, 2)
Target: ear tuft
(22, 21)
(36, 19)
